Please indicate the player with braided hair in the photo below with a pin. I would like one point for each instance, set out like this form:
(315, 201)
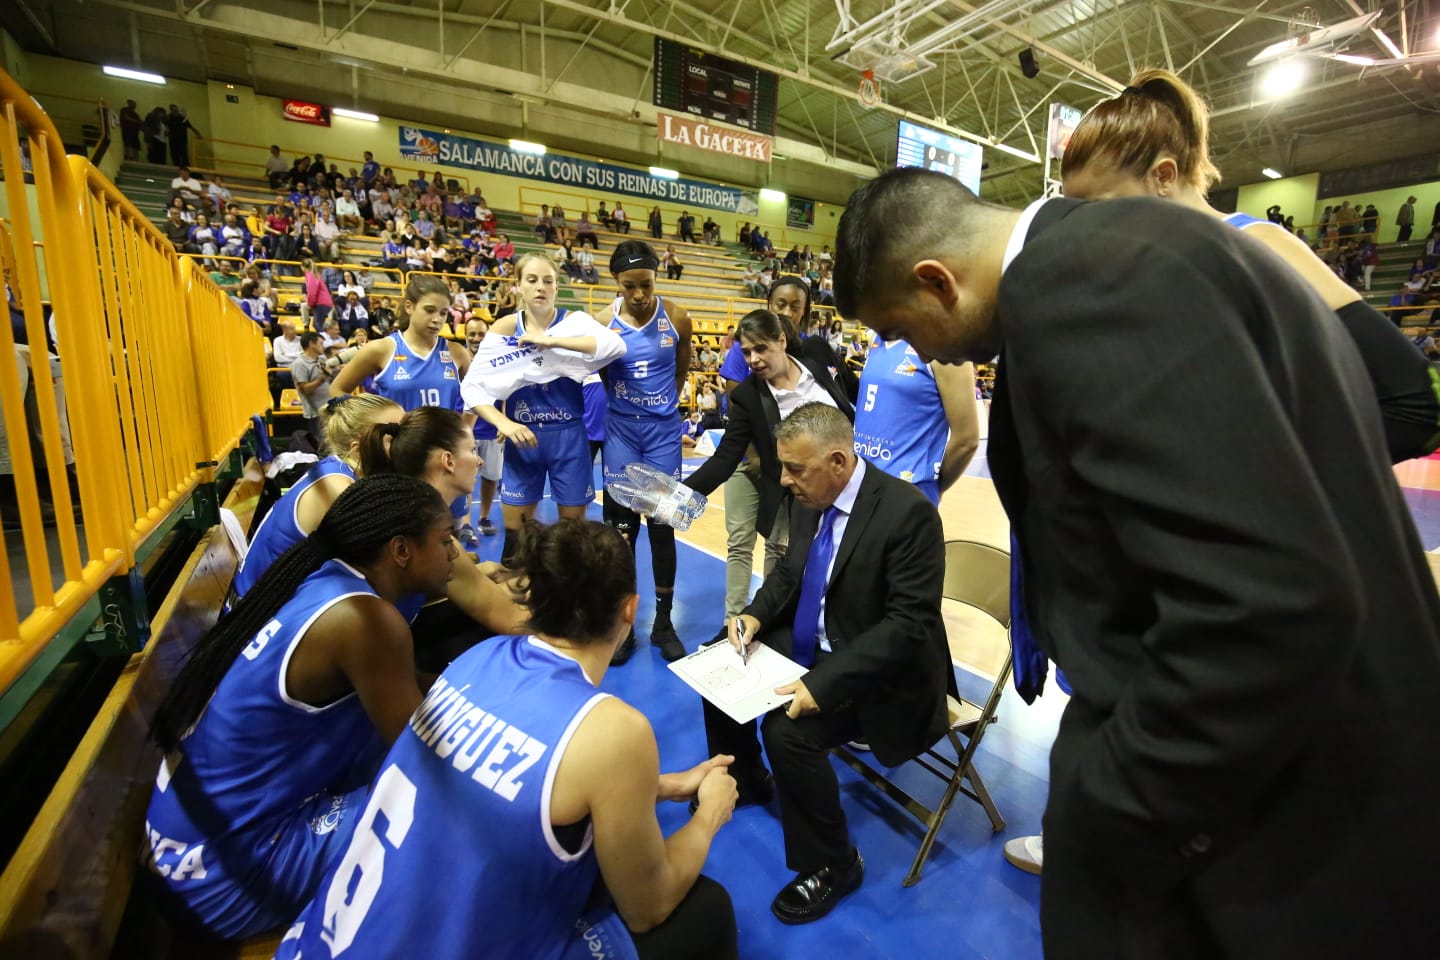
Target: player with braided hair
(275, 723)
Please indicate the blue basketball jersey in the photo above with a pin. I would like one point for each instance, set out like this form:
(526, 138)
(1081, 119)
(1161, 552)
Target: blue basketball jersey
(642, 383)
(1244, 221)
(228, 815)
(415, 381)
(280, 531)
(461, 808)
(900, 424)
(596, 405)
(484, 429)
(541, 405)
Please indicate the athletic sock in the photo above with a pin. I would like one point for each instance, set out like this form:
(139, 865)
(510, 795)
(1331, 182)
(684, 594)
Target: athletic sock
(663, 604)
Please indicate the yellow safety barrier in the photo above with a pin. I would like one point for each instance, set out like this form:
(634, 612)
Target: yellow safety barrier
(149, 401)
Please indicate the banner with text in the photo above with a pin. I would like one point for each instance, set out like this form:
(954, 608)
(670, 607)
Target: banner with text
(800, 213)
(303, 111)
(689, 132)
(430, 146)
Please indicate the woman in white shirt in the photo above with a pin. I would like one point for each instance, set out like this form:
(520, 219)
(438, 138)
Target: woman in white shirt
(348, 285)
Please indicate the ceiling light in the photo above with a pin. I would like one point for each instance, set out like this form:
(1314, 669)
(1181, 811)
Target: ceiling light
(525, 146)
(354, 114)
(767, 194)
(1353, 59)
(134, 75)
(1272, 173)
(665, 173)
(1319, 38)
(1282, 79)
(1015, 152)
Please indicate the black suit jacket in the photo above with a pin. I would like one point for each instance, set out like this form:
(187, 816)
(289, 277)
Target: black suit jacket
(1218, 556)
(754, 415)
(890, 662)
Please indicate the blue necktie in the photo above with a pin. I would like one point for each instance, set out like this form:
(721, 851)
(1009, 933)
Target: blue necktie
(1030, 662)
(812, 590)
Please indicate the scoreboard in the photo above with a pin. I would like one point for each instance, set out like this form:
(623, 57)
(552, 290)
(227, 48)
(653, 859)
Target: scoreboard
(713, 88)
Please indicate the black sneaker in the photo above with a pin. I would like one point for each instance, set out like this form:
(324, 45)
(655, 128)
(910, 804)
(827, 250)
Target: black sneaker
(663, 635)
(466, 536)
(624, 652)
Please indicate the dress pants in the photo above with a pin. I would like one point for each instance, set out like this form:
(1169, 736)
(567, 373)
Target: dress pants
(742, 505)
(816, 834)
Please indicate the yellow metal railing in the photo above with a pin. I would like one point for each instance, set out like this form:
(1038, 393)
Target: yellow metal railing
(153, 396)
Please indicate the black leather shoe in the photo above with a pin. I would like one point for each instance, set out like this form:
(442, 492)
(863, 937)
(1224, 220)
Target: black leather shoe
(753, 793)
(663, 635)
(812, 895)
(624, 652)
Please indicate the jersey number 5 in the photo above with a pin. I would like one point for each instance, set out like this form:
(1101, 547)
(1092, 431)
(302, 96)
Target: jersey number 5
(870, 392)
(357, 880)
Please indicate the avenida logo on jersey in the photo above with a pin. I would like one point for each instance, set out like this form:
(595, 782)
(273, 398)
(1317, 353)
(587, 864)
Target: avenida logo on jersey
(330, 819)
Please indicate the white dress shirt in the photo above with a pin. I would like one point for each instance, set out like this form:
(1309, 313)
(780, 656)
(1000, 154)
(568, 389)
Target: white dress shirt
(807, 390)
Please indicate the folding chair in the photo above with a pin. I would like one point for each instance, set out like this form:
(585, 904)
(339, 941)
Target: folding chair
(978, 575)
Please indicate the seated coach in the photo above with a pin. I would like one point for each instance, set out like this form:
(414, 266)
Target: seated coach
(857, 599)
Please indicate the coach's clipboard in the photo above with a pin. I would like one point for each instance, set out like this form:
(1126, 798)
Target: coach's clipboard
(743, 691)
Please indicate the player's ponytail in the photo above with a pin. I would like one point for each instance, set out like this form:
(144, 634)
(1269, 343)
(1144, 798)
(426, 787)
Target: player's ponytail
(405, 447)
(361, 523)
(577, 574)
(1157, 115)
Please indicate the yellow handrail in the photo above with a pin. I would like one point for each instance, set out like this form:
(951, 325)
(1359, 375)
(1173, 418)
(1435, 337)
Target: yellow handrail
(148, 408)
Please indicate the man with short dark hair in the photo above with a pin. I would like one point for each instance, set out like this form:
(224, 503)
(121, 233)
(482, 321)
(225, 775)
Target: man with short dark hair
(1211, 545)
(312, 382)
(857, 600)
(275, 167)
(1405, 220)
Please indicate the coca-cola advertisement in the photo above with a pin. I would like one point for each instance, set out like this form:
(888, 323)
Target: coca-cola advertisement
(302, 111)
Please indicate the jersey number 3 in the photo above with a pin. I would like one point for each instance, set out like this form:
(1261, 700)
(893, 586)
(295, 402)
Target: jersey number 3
(387, 819)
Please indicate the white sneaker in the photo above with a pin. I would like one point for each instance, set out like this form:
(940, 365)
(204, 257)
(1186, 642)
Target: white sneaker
(1026, 853)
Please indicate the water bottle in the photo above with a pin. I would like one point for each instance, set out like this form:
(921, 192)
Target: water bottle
(658, 496)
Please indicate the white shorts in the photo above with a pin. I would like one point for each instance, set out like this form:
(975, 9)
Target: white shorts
(493, 453)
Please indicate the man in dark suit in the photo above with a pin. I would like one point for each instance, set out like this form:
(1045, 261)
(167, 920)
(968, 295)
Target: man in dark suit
(1216, 553)
(857, 598)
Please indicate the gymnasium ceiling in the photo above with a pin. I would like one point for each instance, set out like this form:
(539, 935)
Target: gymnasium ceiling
(593, 56)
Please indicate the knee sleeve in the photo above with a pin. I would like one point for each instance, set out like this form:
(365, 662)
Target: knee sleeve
(662, 554)
(625, 520)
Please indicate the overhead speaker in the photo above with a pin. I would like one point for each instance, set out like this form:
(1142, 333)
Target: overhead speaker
(1028, 66)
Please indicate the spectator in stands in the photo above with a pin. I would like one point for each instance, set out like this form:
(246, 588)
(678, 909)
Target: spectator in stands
(286, 348)
(564, 257)
(204, 238)
(620, 221)
(276, 168)
(558, 221)
(234, 238)
(327, 237)
(347, 213)
(602, 216)
(179, 128)
(745, 234)
(318, 302)
(254, 306)
(218, 195)
(130, 126)
(382, 318)
(686, 226)
(424, 226)
(177, 231)
(1370, 222)
(1274, 215)
(671, 262)
(225, 277)
(360, 337)
(792, 260)
(711, 230)
(349, 284)
(370, 172)
(1369, 257)
(585, 232)
(1405, 220)
(189, 189)
(825, 289)
(656, 223)
(382, 209)
(504, 250)
(352, 315)
(585, 261)
(709, 359)
(157, 135)
(269, 754)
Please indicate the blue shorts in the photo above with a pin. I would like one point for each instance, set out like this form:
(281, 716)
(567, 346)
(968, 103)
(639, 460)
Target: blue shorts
(652, 440)
(564, 454)
(262, 878)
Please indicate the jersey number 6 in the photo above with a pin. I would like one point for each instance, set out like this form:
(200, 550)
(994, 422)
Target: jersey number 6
(364, 865)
